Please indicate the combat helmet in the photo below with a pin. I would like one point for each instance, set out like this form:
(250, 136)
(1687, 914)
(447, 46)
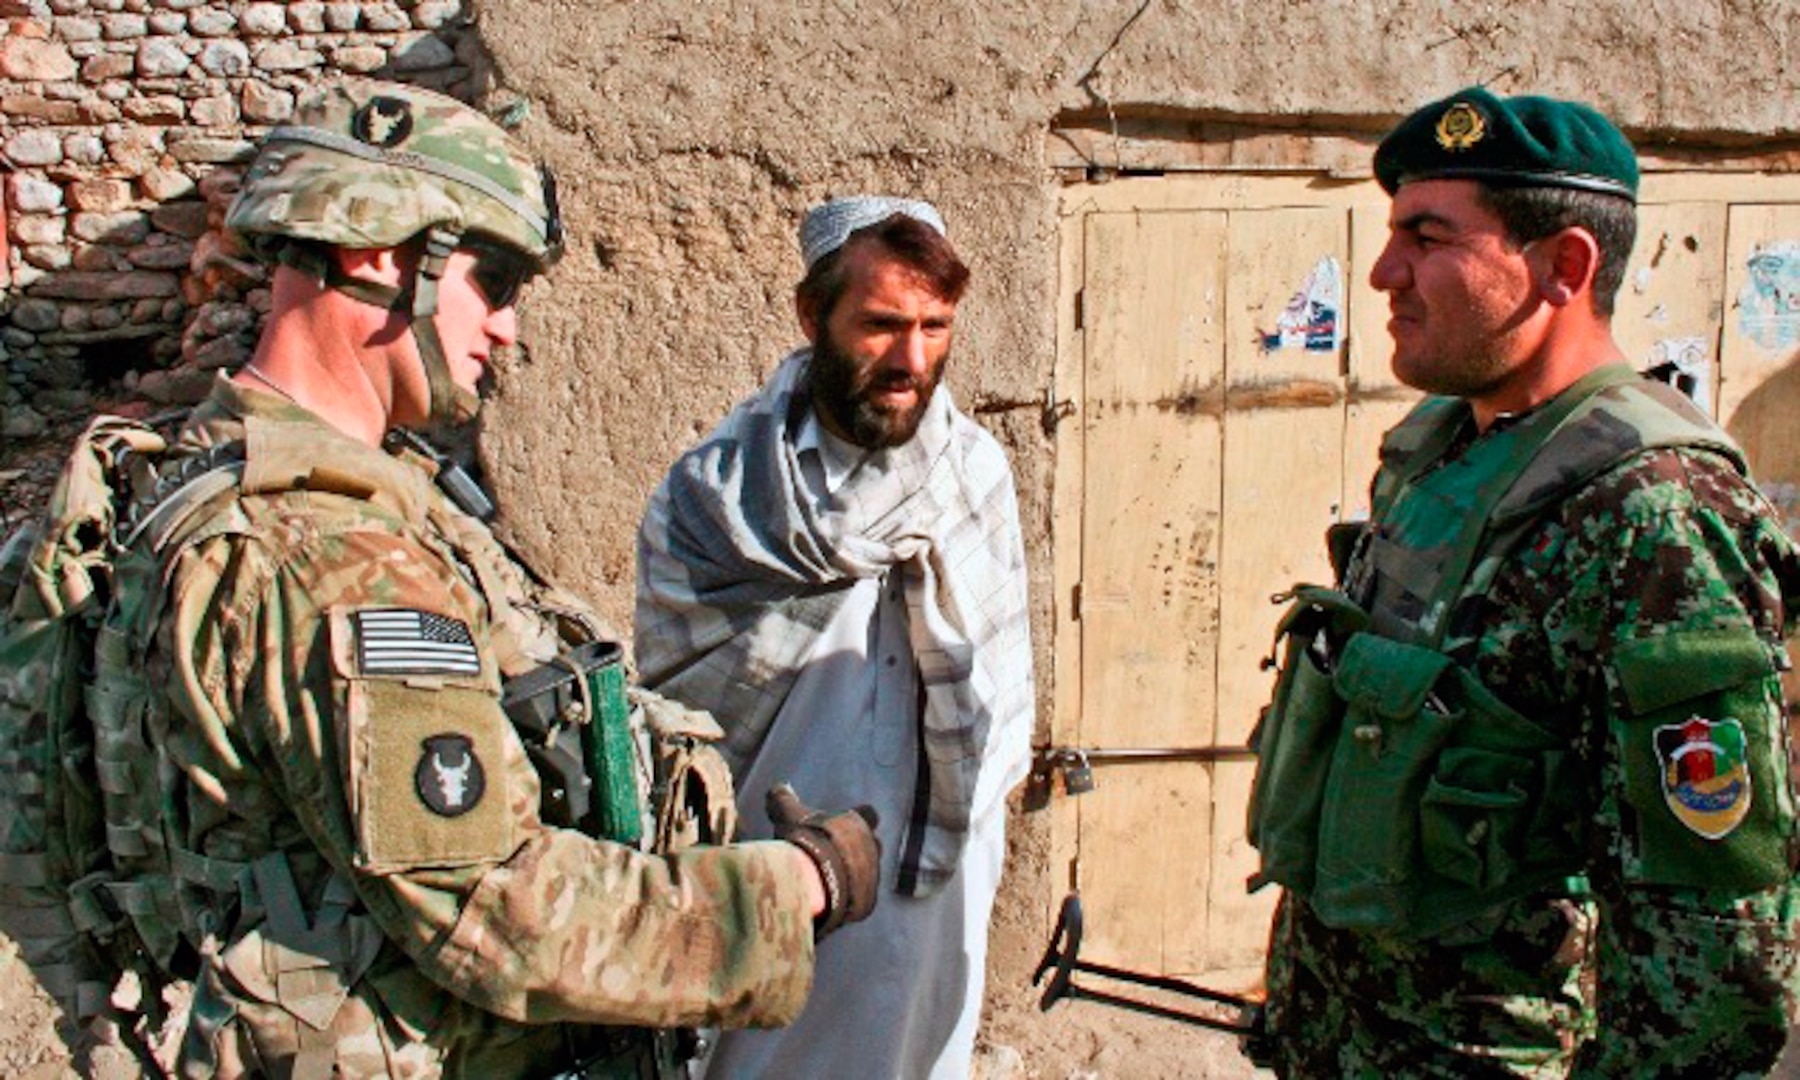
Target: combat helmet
(367, 164)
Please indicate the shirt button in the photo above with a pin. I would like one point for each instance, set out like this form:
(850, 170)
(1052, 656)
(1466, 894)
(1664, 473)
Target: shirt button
(891, 661)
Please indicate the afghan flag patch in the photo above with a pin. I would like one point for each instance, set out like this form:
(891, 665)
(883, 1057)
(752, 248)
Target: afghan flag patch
(1705, 774)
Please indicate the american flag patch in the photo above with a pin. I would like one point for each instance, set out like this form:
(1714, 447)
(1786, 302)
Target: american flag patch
(402, 641)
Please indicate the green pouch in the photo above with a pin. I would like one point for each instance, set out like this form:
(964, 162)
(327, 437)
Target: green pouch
(1500, 799)
(1294, 741)
(1387, 746)
(579, 737)
(1475, 807)
(1706, 769)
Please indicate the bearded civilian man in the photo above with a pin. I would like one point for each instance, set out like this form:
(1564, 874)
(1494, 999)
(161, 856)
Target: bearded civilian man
(836, 572)
(1526, 776)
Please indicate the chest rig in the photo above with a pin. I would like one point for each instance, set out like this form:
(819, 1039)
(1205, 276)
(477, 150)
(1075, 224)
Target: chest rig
(1394, 791)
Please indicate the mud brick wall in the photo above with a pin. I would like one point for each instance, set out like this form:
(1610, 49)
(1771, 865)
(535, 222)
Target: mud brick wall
(124, 129)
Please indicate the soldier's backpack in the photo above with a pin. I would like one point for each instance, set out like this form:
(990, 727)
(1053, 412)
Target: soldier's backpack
(85, 885)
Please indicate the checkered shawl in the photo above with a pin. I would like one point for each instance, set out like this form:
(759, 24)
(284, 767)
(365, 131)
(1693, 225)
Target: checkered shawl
(740, 569)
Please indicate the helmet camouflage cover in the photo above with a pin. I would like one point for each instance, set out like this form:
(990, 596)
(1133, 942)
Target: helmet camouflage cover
(370, 165)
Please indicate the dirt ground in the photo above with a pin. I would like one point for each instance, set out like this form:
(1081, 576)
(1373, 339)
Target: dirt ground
(31, 1045)
(1091, 1042)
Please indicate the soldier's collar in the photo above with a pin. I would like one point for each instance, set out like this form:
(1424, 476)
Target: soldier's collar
(294, 450)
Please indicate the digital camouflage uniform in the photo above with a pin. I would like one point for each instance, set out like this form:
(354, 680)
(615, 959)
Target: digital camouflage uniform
(377, 930)
(1664, 965)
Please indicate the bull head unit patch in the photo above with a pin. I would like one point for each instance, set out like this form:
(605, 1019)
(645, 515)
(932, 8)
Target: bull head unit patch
(449, 777)
(384, 122)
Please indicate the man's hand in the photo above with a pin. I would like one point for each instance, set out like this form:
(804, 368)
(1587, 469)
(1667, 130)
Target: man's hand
(842, 846)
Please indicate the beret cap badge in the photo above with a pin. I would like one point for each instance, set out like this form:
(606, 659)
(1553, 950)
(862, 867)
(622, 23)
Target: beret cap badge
(1524, 141)
(1460, 127)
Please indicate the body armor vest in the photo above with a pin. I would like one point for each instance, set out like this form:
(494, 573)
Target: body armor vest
(605, 768)
(1394, 791)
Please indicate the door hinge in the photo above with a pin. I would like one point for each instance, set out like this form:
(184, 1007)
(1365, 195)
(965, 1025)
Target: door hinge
(1055, 412)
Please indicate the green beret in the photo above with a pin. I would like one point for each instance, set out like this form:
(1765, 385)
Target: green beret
(1521, 141)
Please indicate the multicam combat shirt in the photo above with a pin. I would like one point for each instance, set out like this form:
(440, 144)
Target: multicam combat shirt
(333, 650)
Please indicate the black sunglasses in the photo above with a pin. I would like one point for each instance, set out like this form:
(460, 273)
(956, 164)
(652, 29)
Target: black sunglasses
(500, 272)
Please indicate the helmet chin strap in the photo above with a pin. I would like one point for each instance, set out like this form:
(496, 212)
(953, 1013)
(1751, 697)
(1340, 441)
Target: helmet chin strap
(450, 403)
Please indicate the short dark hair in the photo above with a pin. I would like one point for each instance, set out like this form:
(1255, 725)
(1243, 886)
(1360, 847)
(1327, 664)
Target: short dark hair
(906, 238)
(1529, 212)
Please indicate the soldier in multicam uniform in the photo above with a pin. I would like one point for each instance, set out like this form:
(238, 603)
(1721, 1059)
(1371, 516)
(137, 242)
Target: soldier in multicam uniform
(1525, 778)
(367, 876)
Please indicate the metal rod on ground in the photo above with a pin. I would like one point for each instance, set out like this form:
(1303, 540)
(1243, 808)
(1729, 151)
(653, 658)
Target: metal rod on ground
(1062, 957)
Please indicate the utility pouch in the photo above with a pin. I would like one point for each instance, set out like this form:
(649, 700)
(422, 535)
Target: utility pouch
(691, 795)
(574, 720)
(1706, 767)
(1504, 802)
(1393, 727)
(1443, 800)
(1502, 816)
(1294, 739)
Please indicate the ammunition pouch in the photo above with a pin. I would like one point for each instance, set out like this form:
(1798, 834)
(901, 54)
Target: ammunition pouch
(1294, 739)
(691, 793)
(597, 745)
(1395, 792)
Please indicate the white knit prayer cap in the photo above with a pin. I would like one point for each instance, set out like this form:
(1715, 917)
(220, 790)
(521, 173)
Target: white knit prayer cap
(828, 225)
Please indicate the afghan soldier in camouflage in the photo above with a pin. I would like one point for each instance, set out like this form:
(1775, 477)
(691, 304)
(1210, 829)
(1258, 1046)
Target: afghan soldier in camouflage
(367, 875)
(1525, 778)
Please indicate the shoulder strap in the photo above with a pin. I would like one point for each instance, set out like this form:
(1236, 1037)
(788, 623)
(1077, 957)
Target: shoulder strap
(1616, 423)
(1605, 418)
(166, 518)
(1418, 440)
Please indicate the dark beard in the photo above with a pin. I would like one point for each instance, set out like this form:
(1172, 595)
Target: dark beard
(843, 399)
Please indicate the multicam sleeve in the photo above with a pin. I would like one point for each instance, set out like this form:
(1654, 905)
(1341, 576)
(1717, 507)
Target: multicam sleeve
(1670, 632)
(352, 674)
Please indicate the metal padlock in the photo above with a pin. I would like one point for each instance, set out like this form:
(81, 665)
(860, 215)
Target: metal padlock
(1078, 775)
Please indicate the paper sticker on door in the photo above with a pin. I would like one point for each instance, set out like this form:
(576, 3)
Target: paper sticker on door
(1769, 303)
(1683, 363)
(1312, 317)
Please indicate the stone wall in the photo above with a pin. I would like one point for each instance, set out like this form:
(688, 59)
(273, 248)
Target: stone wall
(126, 124)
